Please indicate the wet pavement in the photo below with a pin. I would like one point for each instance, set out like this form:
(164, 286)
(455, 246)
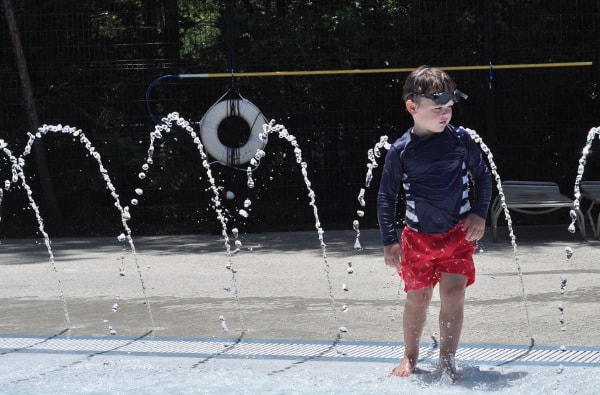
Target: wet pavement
(283, 286)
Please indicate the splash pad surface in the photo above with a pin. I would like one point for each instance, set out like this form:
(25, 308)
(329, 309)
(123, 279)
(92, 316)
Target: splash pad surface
(284, 306)
(70, 374)
(132, 366)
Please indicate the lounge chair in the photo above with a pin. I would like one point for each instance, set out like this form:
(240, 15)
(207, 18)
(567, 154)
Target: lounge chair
(590, 190)
(532, 197)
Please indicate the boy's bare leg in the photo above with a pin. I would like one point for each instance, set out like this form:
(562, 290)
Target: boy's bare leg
(452, 298)
(413, 321)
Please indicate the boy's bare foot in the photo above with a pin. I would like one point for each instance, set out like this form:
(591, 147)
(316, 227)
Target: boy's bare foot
(448, 365)
(404, 368)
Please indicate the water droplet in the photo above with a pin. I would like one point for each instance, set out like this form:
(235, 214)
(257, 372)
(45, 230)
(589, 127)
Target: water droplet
(568, 252)
(361, 197)
(142, 175)
(243, 213)
(223, 324)
(139, 191)
(134, 202)
(250, 181)
(121, 237)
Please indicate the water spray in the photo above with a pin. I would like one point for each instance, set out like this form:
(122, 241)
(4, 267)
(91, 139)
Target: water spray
(19, 174)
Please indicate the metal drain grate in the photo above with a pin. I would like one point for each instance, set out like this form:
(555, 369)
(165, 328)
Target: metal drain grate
(292, 349)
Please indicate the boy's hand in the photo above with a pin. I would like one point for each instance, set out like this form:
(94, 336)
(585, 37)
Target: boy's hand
(392, 254)
(475, 227)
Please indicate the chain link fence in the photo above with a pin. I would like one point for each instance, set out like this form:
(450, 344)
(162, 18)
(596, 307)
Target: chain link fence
(90, 63)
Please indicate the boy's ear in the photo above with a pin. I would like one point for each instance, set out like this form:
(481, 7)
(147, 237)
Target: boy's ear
(411, 106)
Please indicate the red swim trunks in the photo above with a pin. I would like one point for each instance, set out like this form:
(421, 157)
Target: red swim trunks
(429, 255)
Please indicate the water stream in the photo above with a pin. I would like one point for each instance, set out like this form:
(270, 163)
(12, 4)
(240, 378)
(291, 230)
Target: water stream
(18, 174)
(593, 133)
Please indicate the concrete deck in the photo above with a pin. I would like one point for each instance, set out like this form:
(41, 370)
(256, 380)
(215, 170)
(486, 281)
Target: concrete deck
(284, 288)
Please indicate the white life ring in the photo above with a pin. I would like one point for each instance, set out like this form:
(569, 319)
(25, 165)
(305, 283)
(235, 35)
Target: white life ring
(209, 126)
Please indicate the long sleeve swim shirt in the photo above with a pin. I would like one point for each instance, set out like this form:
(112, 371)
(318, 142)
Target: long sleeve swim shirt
(434, 172)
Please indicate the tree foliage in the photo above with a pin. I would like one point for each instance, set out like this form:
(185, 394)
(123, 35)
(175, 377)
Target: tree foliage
(91, 61)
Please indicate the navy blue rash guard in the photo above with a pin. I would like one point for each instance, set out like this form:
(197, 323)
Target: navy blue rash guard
(434, 171)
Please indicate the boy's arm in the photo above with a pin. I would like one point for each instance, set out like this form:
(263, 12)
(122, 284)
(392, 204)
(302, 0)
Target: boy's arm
(393, 254)
(474, 225)
(387, 197)
(482, 180)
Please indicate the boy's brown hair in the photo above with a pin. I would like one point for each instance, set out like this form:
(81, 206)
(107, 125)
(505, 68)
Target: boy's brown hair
(427, 80)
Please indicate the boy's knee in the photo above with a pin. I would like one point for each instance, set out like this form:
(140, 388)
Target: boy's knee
(419, 298)
(455, 293)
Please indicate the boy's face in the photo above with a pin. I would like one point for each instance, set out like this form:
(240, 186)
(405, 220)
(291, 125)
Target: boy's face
(429, 117)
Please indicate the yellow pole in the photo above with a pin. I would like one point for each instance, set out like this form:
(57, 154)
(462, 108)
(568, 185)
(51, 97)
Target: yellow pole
(382, 71)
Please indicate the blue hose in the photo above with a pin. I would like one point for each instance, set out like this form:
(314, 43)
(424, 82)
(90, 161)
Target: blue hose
(149, 89)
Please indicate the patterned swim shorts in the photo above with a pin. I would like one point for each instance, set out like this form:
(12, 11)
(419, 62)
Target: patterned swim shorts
(427, 256)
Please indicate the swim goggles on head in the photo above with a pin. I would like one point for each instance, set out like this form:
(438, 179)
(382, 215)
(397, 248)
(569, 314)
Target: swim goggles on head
(442, 97)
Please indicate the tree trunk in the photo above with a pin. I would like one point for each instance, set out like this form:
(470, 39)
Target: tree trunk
(32, 116)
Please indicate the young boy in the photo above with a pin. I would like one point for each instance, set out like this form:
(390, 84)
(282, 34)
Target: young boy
(433, 161)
